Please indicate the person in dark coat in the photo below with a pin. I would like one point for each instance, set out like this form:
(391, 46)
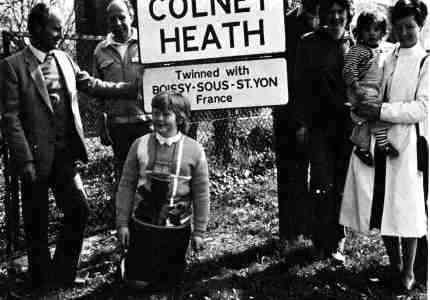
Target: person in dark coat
(293, 163)
(44, 132)
(324, 121)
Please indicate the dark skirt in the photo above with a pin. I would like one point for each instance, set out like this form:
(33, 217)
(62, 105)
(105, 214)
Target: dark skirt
(156, 254)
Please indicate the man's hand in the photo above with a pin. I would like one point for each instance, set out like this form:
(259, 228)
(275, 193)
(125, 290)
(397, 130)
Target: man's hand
(139, 88)
(197, 243)
(302, 137)
(123, 234)
(29, 172)
(368, 110)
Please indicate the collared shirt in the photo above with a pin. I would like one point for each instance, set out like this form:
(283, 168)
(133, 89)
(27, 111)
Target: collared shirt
(168, 141)
(39, 54)
(111, 41)
(121, 47)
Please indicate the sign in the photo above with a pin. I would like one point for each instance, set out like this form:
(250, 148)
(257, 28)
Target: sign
(184, 30)
(222, 85)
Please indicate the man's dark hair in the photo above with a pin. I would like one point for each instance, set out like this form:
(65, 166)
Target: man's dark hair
(325, 5)
(367, 18)
(38, 16)
(127, 3)
(406, 8)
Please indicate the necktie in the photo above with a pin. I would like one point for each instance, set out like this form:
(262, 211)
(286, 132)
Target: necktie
(51, 75)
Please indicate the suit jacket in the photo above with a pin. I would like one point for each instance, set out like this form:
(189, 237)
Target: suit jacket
(28, 112)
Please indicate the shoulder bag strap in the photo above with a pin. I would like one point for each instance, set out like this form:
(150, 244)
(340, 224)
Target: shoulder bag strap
(416, 92)
(178, 168)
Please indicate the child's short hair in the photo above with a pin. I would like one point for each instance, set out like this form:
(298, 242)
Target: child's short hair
(367, 18)
(176, 102)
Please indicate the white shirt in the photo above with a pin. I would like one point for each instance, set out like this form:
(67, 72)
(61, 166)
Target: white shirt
(40, 55)
(168, 141)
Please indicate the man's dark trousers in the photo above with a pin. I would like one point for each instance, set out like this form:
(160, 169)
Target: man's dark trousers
(329, 160)
(292, 164)
(64, 180)
(123, 136)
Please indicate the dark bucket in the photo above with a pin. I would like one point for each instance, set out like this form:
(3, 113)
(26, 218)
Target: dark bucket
(156, 254)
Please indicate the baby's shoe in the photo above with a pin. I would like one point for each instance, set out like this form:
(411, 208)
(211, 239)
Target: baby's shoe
(365, 156)
(389, 150)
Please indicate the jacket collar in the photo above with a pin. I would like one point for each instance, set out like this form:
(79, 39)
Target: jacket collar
(39, 54)
(33, 59)
(33, 68)
(109, 41)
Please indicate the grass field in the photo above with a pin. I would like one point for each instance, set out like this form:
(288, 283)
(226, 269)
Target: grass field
(243, 258)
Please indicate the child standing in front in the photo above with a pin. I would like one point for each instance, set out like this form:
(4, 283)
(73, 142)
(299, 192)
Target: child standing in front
(363, 72)
(168, 172)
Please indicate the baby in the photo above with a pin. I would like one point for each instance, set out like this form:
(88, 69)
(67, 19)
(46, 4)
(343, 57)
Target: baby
(363, 75)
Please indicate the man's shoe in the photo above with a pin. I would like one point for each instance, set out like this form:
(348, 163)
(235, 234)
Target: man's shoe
(365, 156)
(408, 283)
(289, 246)
(319, 253)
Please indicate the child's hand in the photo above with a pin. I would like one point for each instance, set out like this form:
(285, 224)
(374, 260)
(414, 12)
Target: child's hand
(197, 243)
(124, 236)
(360, 92)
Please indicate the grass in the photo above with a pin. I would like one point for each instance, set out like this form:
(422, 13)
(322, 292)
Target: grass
(243, 257)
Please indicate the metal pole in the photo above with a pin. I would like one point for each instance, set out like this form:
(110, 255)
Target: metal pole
(11, 201)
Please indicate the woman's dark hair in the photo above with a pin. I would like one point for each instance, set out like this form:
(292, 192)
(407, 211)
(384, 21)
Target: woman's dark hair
(368, 18)
(177, 103)
(325, 5)
(310, 5)
(407, 8)
(38, 17)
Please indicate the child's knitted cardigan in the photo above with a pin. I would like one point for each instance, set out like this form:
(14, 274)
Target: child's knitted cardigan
(193, 165)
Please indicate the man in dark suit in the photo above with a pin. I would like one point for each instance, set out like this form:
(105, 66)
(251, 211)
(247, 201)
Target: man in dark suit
(44, 131)
(293, 162)
(325, 122)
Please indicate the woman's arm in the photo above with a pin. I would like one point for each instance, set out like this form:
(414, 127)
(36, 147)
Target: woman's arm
(410, 111)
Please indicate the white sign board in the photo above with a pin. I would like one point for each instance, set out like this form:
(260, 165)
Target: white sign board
(222, 85)
(183, 30)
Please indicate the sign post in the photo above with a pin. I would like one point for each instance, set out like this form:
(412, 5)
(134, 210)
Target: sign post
(220, 53)
(222, 85)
